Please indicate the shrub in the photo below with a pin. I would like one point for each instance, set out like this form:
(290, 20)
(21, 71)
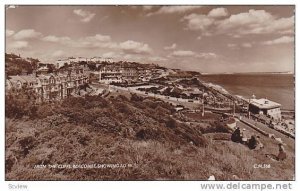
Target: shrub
(27, 142)
(74, 102)
(44, 110)
(95, 101)
(171, 123)
(123, 108)
(135, 97)
(17, 106)
(147, 134)
(215, 127)
(107, 125)
(221, 127)
(122, 98)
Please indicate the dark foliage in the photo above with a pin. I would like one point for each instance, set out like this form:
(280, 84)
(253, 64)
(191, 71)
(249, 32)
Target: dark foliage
(107, 130)
(16, 65)
(135, 97)
(19, 104)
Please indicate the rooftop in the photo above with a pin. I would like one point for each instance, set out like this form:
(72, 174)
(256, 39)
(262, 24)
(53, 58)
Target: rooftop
(264, 103)
(22, 78)
(43, 68)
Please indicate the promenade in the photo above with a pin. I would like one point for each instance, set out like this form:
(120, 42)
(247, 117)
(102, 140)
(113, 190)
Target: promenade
(288, 141)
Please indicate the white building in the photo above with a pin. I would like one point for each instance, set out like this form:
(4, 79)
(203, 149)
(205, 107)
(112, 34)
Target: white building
(61, 63)
(82, 59)
(109, 60)
(101, 59)
(108, 75)
(265, 107)
(70, 60)
(95, 59)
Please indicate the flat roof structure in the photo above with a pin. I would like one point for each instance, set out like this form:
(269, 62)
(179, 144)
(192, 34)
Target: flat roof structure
(264, 103)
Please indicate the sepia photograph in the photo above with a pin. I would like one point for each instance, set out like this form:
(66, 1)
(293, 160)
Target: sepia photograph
(149, 92)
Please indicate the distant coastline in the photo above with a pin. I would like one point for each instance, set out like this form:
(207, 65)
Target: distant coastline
(249, 73)
(278, 87)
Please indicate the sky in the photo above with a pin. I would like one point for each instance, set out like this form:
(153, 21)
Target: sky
(208, 39)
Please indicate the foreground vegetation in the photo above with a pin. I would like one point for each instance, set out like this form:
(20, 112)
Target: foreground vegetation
(138, 131)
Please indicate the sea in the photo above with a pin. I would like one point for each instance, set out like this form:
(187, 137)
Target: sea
(275, 87)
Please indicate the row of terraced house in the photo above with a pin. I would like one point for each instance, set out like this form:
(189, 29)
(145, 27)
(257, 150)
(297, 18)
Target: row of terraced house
(50, 87)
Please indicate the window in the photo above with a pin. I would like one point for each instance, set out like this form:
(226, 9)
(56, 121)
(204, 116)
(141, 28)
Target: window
(52, 81)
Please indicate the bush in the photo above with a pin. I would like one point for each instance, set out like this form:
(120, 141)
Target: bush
(107, 125)
(135, 97)
(215, 127)
(17, 106)
(171, 123)
(73, 102)
(27, 142)
(221, 127)
(147, 134)
(44, 110)
(122, 98)
(123, 108)
(95, 101)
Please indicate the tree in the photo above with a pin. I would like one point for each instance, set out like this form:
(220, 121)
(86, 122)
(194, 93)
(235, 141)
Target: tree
(92, 66)
(20, 103)
(16, 65)
(171, 123)
(51, 68)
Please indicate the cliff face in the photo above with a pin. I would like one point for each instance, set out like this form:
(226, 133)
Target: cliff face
(119, 138)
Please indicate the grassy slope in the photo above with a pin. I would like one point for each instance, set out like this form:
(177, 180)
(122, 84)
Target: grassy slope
(136, 132)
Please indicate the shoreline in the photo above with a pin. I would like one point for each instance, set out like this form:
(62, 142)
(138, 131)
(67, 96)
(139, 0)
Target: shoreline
(222, 89)
(250, 73)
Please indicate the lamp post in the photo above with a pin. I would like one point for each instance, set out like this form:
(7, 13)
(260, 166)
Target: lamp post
(233, 108)
(249, 108)
(203, 104)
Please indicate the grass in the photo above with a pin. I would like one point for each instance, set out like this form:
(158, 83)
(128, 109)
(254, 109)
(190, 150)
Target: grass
(199, 117)
(151, 160)
(143, 135)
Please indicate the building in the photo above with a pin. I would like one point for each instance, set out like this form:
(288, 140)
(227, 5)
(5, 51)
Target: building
(179, 75)
(18, 82)
(265, 107)
(68, 61)
(43, 70)
(129, 74)
(116, 74)
(108, 60)
(101, 59)
(144, 74)
(50, 87)
(61, 63)
(95, 59)
(73, 60)
(82, 59)
(110, 74)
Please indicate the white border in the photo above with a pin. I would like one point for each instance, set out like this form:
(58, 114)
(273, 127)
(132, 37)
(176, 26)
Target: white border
(127, 185)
